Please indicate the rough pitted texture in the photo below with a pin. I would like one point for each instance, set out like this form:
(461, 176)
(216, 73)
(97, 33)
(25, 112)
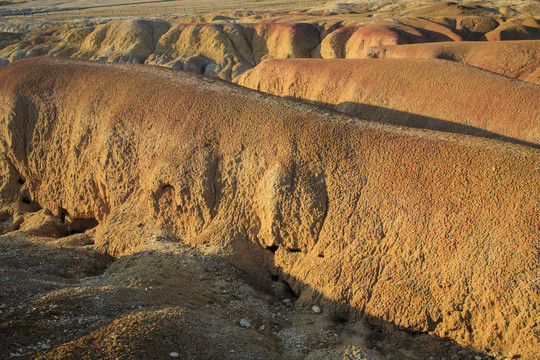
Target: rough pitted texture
(424, 230)
(517, 59)
(423, 93)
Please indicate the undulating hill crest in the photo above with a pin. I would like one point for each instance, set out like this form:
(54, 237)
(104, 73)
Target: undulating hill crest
(516, 59)
(422, 93)
(429, 231)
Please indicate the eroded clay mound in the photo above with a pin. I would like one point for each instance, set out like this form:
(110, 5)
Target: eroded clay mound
(431, 94)
(427, 231)
(517, 59)
(350, 41)
(226, 47)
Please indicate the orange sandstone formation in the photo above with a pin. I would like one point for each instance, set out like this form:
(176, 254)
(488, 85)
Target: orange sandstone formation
(428, 231)
(349, 41)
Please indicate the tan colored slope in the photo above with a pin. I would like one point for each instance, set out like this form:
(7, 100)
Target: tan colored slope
(422, 93)
(517, 59)
(424, 230)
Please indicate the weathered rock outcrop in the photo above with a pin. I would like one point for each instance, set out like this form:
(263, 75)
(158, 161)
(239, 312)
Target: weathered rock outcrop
(425, 230)
(423, 93)
(517, 59)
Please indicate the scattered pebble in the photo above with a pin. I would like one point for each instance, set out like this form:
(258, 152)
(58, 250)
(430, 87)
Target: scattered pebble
(173, 354)
(455, 357)
(477, 358)
(262, 327)
(245, 323)
(287, 302)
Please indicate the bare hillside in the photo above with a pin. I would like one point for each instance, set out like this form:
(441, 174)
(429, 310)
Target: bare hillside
(430, 232)
(422, 93)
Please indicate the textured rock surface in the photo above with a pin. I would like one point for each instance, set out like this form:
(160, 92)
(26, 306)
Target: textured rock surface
(422, 93)
(431, 232)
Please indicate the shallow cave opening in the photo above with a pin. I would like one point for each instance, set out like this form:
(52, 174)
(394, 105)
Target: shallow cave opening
(76, 225)
(273, 248)
(167, 187)
(81, 225)
(281, 288)
(339, 319)
(27, 204)
(294, 250)
(63, 215)
(20, 181)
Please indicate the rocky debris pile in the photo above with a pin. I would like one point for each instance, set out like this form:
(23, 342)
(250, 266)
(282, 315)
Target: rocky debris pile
(168, 301)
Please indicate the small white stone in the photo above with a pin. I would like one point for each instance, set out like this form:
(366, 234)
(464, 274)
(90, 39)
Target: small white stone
(173, 354)
(245, 323)
(262, 327)
(287, 302)
(316, 309)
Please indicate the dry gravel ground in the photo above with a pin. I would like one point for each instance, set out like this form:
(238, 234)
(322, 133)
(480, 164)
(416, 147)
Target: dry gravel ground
(63, 299)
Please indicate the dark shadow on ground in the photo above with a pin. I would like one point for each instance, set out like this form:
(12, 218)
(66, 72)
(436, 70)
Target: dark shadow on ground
(135, 318)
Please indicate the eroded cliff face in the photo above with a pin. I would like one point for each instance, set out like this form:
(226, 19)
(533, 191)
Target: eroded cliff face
(428, 231)
(422, 93)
